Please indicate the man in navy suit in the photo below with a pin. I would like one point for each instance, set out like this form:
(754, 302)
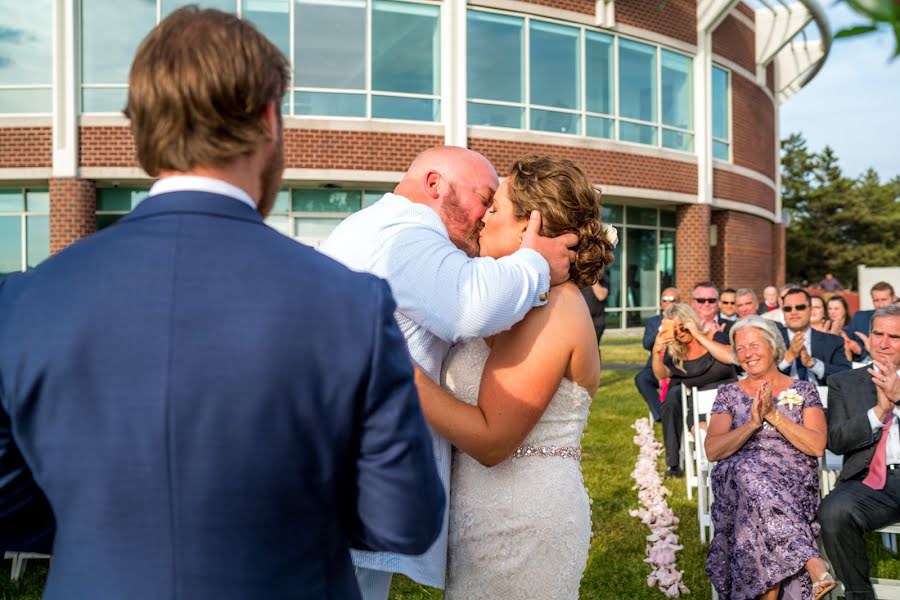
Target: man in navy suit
(646, 382)
(211, 409)
(857, 332)
(811, 355)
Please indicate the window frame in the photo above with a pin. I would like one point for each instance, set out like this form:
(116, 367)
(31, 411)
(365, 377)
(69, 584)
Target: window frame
(23, 216)
(583, 113)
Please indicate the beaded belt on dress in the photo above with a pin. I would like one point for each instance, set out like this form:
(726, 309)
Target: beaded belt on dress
(561, 451)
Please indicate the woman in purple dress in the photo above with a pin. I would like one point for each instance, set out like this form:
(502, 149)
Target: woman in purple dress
(765, 432)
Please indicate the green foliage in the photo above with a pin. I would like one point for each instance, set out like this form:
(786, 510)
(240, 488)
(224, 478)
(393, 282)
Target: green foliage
(880, 13)
(836, 222)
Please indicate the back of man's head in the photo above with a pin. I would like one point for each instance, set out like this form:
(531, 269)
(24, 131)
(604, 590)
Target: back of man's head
(197, 89)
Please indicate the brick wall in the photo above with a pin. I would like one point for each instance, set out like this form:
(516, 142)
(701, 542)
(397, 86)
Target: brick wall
(731, 186)
(73, 206)
(692, 263)
(376, 151)
(602, 166)
(736, 42)
(22, 147)
(743, 255)
(753, 127)
(746, 10)
(674, 18)
(779, 264)
(106, 147)
(304, 148)
(587, 7)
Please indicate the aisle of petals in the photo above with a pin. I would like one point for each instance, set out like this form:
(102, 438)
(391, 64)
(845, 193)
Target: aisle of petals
(662, 543)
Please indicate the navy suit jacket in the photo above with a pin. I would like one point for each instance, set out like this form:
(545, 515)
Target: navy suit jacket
(212, 410)
(859, 323)
(850, 396)
(828, 348)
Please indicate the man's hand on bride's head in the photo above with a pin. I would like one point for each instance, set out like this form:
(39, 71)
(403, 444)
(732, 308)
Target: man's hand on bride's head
(554, 250)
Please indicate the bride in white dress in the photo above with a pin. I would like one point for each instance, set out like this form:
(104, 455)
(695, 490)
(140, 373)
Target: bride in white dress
(520, 521)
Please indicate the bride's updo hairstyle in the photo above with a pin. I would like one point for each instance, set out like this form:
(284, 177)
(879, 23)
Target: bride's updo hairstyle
(569, 203)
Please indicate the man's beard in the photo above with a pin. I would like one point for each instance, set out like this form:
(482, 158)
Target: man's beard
(270, 178)
(463, 235)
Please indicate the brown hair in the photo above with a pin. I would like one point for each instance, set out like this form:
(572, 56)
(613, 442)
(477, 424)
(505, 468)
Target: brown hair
(198, 87)
(569, 203)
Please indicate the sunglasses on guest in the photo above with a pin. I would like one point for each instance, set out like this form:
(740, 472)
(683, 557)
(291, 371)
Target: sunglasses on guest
(798, 307)
(705, 300)
(726, 302)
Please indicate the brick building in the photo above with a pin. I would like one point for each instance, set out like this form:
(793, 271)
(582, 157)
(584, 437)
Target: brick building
(671, 107)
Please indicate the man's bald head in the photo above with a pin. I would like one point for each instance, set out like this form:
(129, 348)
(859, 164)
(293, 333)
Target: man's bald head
(458, 184)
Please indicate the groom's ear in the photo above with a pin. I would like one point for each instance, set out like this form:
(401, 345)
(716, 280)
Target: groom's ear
(432, 184)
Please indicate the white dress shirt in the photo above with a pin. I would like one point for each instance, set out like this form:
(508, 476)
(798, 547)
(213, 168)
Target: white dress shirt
(818, 367)
(196, 183)
(893, 443)
(443, 297)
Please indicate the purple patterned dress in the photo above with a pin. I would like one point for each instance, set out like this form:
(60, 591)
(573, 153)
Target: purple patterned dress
(766, 496)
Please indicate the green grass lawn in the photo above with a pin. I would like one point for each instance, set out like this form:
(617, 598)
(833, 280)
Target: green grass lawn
(623, 350)
(615, 568)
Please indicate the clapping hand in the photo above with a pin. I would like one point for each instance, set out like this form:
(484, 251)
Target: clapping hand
(805, 358)
(762, 405)
(849, 344)
(793, 351)
(865, 339)
(887, 385)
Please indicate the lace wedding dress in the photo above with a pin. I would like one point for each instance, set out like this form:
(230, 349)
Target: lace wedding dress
(520, 530)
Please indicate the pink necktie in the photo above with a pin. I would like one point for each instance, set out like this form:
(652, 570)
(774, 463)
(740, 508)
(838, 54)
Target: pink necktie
(878, 467)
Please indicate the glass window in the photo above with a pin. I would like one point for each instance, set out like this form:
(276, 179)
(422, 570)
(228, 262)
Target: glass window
(554, 56)
(342, 201)
(496, 115)
(330, 104)
(330, 44)
(677, 86)
(405, 47)
(272, 19)
(26, 55)
(637, 80)
(555, 67)
(667, 217)
(494, 57)
(634, 132)
(614, 299)
(167, 6)
(666, 259)
(640, 275)
(641, 216)
(115, 203)
(720, 118)
(599, 72)
(611, 213)
(24, 229)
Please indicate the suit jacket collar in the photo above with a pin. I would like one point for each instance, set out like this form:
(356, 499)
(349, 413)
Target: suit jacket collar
(190, 202)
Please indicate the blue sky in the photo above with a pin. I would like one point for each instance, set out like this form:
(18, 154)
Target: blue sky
(852, 104)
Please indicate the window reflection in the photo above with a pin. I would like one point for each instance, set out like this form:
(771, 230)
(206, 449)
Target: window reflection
(637, 80)
(330, 44)
(405, 47)
(272, 19)
(640, 275)
(720, 116)
(599, 72)
(494, 58)
(25, 57)
(24, 229)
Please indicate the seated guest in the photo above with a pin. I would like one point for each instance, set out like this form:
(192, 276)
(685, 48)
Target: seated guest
(817, 316)
(777, 314)
(863, 426)
(727, 311)
(646, 382)
(882, 295)
(811, 355)
(705, 302)
(691, 359)
(838, 314)
(765, 432)
(746, 303)
(770, 300)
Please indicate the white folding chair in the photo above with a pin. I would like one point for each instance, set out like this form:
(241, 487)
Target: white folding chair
(702, 404)
(19, 560)
(687, 450)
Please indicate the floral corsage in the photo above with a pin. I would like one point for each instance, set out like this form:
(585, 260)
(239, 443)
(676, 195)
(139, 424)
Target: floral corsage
(790, 398)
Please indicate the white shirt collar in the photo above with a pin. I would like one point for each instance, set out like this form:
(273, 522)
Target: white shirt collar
(197, 183)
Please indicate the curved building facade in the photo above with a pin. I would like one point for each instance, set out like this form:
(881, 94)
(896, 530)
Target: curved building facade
(671, 107)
